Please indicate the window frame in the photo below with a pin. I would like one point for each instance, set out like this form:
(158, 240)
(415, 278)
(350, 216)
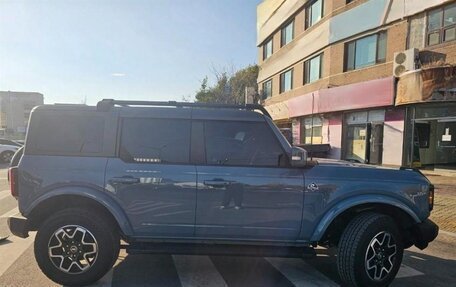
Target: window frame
(283, 33)
(282, 79)
(108, 136)
(121, 134)
(306, 71)
(308, 13)
(441, 30)
(377, 60)
(263, 86)
(286, 163)
(265, 56)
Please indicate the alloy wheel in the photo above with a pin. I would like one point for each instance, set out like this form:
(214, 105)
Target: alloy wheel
(380, 256)
(73, 249)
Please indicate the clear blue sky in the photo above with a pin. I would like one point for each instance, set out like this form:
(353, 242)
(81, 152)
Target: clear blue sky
(156, 49)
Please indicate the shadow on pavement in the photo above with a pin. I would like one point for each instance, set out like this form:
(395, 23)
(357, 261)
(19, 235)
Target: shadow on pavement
(145, 270)
(436, 271)
(4, 240)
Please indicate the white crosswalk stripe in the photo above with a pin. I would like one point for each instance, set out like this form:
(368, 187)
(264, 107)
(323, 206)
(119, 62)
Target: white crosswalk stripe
(4, 194)
(197, 271)
(12, 212)
(13, 250)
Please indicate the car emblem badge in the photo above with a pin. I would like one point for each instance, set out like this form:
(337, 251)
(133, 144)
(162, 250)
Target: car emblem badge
(312, 187)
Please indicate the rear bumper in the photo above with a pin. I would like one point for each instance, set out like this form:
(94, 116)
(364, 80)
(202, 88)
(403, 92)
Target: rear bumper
(424, 233)
(18, 226)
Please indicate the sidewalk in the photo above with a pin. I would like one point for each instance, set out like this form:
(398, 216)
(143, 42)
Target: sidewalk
(444, 213)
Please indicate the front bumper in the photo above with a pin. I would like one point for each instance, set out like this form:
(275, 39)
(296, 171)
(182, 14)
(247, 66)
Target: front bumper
(18, 226)
(424, 233)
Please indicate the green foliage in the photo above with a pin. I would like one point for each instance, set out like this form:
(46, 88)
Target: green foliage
(228, 89)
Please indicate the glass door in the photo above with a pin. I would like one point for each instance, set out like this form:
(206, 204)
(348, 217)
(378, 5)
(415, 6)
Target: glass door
(446, 144)
(356, 143)
(375, 143)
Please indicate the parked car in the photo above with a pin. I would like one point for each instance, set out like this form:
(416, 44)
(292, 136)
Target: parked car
(203, 179)
(17, 143)
(7, 150)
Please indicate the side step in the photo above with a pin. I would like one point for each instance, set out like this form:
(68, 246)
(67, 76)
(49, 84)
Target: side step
(219, 249)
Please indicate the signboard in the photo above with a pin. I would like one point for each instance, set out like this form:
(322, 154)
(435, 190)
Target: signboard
(446, 137)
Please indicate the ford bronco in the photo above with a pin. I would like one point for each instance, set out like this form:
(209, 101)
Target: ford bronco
(189, 178)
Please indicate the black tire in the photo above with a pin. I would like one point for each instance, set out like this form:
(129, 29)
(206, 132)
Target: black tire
(76, 232)
(6, 156)
(370, 251)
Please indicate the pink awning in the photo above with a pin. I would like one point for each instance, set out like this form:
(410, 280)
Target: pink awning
(375, 93)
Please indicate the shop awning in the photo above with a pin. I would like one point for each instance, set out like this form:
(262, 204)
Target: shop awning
(368, 94)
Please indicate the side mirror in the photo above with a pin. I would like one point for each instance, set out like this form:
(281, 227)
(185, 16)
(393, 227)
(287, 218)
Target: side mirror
(298, 157)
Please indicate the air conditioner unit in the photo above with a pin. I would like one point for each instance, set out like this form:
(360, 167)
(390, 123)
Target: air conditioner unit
(405, 61)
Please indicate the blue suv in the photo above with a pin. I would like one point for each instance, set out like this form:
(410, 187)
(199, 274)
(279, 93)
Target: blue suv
(191, 178)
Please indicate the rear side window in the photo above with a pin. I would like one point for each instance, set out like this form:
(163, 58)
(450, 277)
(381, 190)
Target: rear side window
(68, 135)
(241, 144)
(155, 141)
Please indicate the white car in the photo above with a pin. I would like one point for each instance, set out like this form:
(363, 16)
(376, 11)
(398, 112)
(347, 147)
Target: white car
(6, 152)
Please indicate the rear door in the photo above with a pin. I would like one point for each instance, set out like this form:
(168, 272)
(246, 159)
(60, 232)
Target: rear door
(152, 178)
(246, 189)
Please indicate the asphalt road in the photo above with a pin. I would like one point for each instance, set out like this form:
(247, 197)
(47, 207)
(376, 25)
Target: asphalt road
(432, 267)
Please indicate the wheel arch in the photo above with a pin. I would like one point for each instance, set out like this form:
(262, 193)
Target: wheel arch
(334, 221)
(67, 197)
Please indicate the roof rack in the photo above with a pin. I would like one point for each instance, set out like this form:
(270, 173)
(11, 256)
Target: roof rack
(107, 104)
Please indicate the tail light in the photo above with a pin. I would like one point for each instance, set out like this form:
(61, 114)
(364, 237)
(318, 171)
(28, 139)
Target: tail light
(13, 181)
(431, 197)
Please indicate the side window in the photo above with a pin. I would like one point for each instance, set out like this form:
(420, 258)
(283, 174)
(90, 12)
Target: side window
(68, 135)
(155, 140)
(241, 144)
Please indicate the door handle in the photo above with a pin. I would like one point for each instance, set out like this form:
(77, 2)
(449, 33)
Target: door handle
(125, 180)
(217, 183)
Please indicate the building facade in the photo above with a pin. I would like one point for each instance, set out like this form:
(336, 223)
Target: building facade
(363, 76)
(15, 108)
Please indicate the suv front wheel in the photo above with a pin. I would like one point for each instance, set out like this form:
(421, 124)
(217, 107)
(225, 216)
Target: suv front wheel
(76, 247)
(370, 251)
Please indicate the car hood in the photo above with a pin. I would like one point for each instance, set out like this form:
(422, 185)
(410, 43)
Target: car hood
(359, 170)
(326, 161)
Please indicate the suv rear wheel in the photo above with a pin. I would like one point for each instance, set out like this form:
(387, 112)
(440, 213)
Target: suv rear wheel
(6, 156)
(76, 247)
(370, 251)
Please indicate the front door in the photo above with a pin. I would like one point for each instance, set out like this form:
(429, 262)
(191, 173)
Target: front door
(375, 143)
(356, 143)
(246, 190)
(364, 143)
(153, 179)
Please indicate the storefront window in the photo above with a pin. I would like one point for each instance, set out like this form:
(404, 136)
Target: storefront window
(435, 112)
(311, 130)
(434, 137)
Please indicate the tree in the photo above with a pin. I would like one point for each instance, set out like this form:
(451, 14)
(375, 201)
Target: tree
(229, 89)
(204, 95)
(242, 79)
